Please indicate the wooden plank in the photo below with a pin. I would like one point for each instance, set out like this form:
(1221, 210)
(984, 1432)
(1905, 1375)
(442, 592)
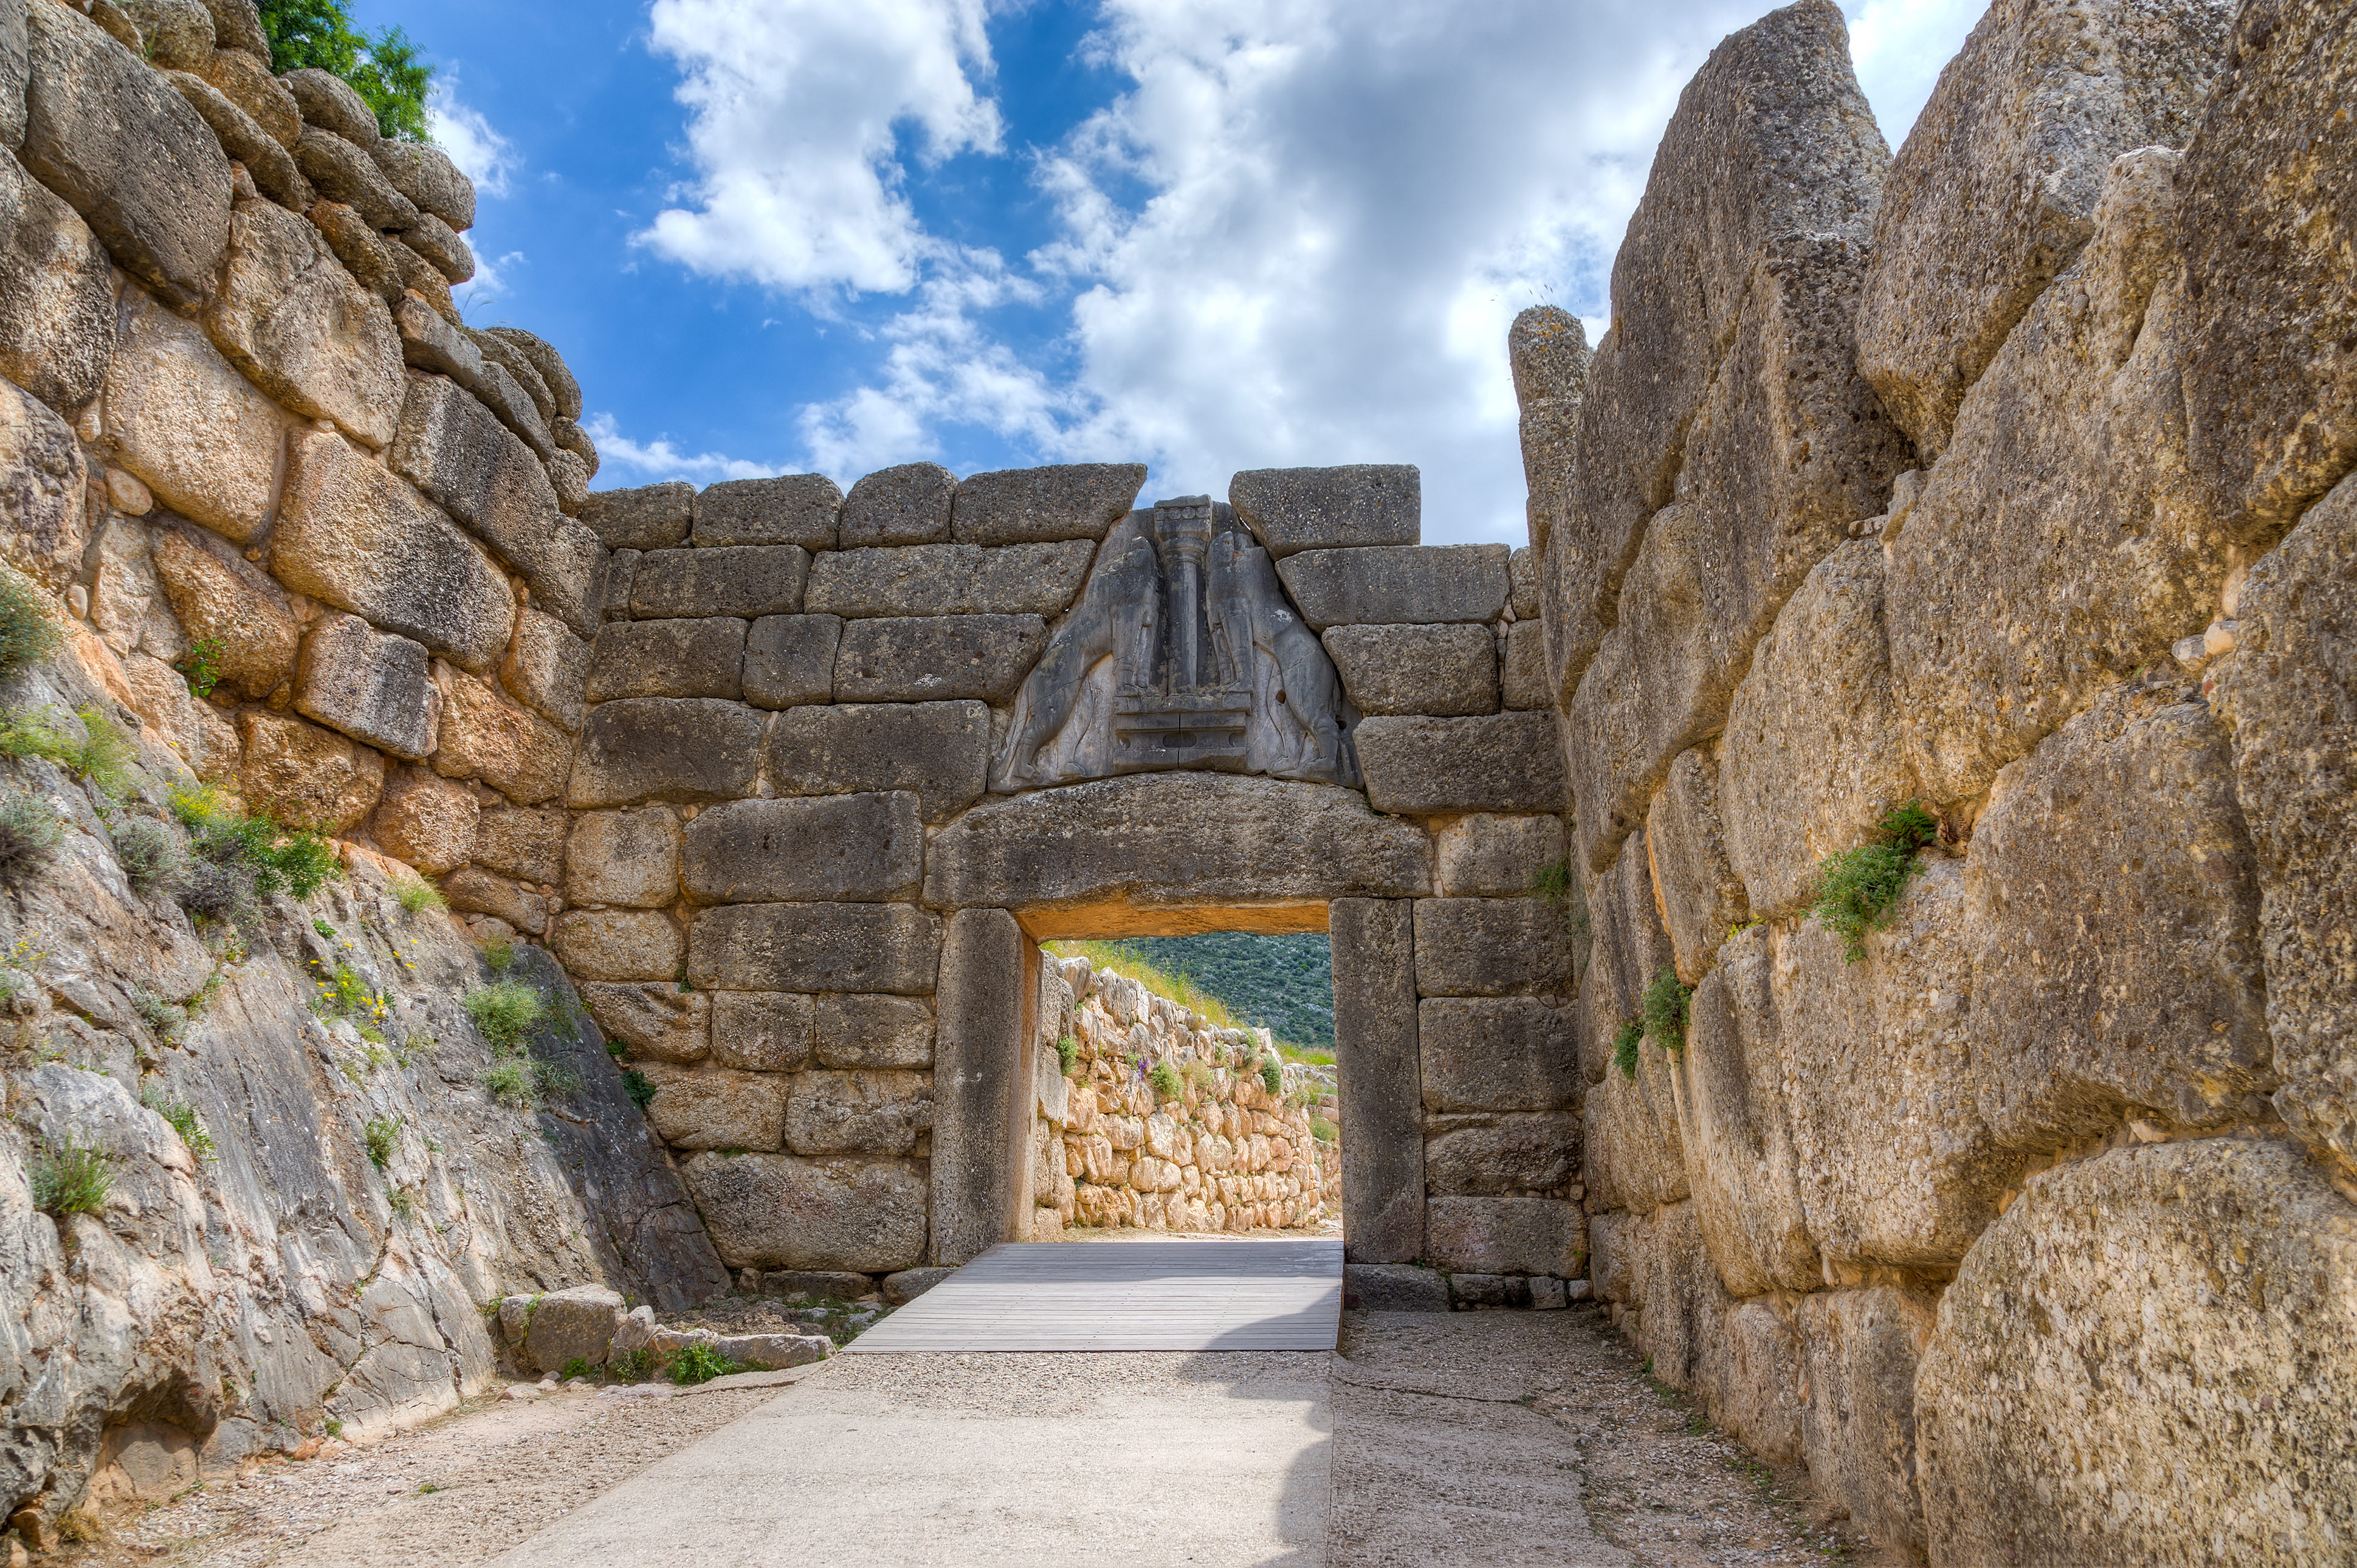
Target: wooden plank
(1125, 1295)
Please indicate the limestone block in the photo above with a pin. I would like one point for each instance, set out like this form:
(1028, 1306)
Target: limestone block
(761, 1031)
(113, 138)
(1449, 669)
(447, 253)
(330, 103)
(2130, 1360)
(1504, 1053)
(1393, 1287)
(1022, 505)
(1881, 1084)
(792, 508)
(194, 729)
(426, 175)
(547, 669)
(789, 661)
(200, 435)
(1180, 839)
(427, 820)
(498, 350)
(1812, 757)
(1683, 1310)
(665, 749)
(905, 505)
(1493, 1155)
(520, 842)
(926, 658)
(472, 890)
(776, 1351)
(374, 688)
(1629, 950)
(1759, 1393)
(652, 517)
(1629, 1138)
(1732, 1129)
(1500, 762)
(556, 376)
(1859, 1349)
(2062, 544)
(629, 858)
(573, 1325)
(1483, 856)
(656, 1019)
(1292, 510)
(568, 476)
(2113, 914)
(720, 1110)
(939, 750)
(1613, 1241)
(852, 848)
(779, 1211)
(243, 78)
(1994, 191)
(366, 255)
(745, 580)
(1522, 672)
(617, 944)
(1490, 947)
(290, 315)
(892, 948)
(223, 600)
(1506, 1235)
(265, 158)
(858, 1113)
(950, 579)
(2289, 693)
(668, 659)
(352, 534)
(176, 34)
(978, 1055)
(343, 173)
(513, 750)
(855, 1031)
(1700, 897)
(57, 295)
(902, 1288)
(306, 777)
(1416, 583)
(1523, 575)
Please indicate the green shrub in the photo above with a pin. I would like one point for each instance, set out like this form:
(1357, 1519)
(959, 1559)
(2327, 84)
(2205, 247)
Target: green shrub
(416, 895)
(1272, 1074)
(503, 1012)
(1068, 1055)
(29, 836)
(500, 954)
(149, 855)
(381, 1133)
(385, 70)
(639, 1087)
(695, 1364)
(1162, 1079)
(1325, 1131)
(201, 665)
(1624, 1048)
(165, 1018)
(106, 754)
(28, 628)
(512, 1081)
(1664, 1008)
(345, 993)
(72, 1179)
(183, 1118)
(248, 857)
(1855, 891)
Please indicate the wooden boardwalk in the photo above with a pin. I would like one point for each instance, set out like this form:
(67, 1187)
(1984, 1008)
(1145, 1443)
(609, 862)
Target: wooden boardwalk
(1126, 1295)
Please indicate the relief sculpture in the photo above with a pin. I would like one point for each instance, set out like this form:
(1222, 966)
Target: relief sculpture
(1183, 652)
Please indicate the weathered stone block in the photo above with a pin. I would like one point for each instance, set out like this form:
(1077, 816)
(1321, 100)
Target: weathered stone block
(290, 315)
(1506, 1053)
(629, 858)
(1416, 583)
(204, 439)
(792, 508)
(1506, 1235)
(304, 776)
(656, 1019)
(1499, 1155)
(950, 579)
(472, 890)
(905, 505)
(343, 173)
(839, 1284)
(243, 78)
(858, 1113)
(426, 820)
(117, 141)
(1700, 896)
(857, 848)
(424, 174)
(665, 749)
(1487, 856)
(353, 535)
(719, 1110)
(1491, 1290)
(573, 1325)
(1523, 573)
(745, 580)
(1019, 506)
(57, 295)
(855, 1031)
(1292, 510)
(1449, 670)
(2145, 1343)
(265, 157)
(1630, 1144)
(1859, 1355)
(777, 1211)
(891, 947)
(1629, 952)
(1502, 762)
(546, 668)
(1523, 673)
(939, 750)
(761, 1031)
(372, 687)
(1375, 1036)
(617, 944)
(667, 658)
(330, 103)
(789, 661)
(513, 750)
(902, 1288)
(652, 517)
(225, 600)
(924, 659)
(520, 842)
(1393, 1287)
(978, 1068)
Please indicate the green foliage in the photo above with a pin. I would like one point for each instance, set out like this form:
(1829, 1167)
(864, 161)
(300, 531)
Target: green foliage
(165, 1017)
(240, 859)
(183, 1118)
(1272, 1074)
(631, 1366)
(1664, 1008)
(576, 1368)
(106, 754)
(500, 954)
(149, 855)
(385, 70)
(503, 1012)
(381, 1133)
(345, 993)
(1855, 890)
(695, 1364)
(1162, 1079)
(1198, 1075)
(639, 1087)
(28, 628)
(512, 1081)
(403, 1202)
(1624, 1048)
(1559, 885)
(201, 666)
(1325, 1131)
(29, 835)
(416, 895)
(1068, 1055)
(72, 1179)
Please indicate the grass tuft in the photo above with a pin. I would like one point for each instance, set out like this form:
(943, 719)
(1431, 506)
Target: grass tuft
(150, 857)
(695, 1364)
(1624, 1048)
(503, 1012)
(381, 1133)
(1665, 1008)
(1325, 1131)
(1272, 1074)
(639, 1087)
(1165, 1082)
(415, 896)
(29, 836)
(184, 1121)
(165, 1017)
(1068, 1055)
(72, 1179)
(28, 628)
(1855, 891)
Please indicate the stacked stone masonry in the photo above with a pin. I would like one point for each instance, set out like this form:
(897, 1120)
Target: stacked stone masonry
(2009, 476)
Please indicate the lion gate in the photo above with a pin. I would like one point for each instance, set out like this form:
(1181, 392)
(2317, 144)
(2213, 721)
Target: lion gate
(851, 758)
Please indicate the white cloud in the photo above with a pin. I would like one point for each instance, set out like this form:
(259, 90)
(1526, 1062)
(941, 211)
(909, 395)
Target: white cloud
(481, 153)
(651, 462)
(795, 109)
(1899, 48)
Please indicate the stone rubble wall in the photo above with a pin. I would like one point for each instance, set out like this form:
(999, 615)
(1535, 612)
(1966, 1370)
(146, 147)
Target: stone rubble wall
(1224, 1153)
(2011, 476)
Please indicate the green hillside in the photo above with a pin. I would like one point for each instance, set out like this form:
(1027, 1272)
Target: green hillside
(1285, 984)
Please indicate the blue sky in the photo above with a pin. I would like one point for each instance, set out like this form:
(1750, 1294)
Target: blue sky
(780, 235)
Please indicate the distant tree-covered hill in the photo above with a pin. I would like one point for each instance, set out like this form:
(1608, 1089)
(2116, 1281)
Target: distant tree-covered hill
(1285, 984)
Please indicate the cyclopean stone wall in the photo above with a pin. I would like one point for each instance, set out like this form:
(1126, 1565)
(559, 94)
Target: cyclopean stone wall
(2010, 475)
